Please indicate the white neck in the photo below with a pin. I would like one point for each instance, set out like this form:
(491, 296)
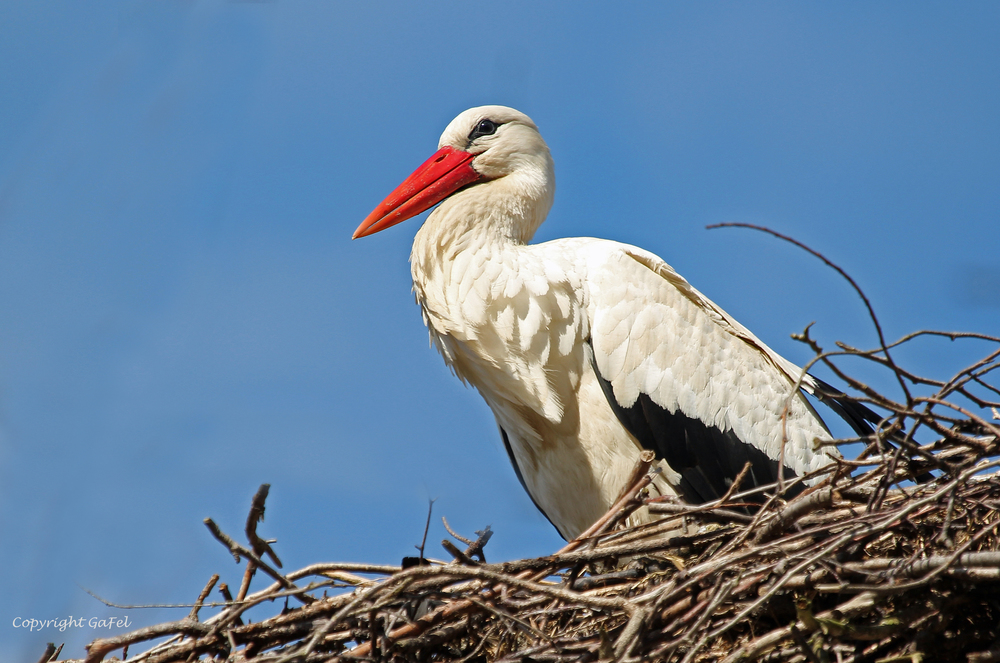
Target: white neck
(492, 215)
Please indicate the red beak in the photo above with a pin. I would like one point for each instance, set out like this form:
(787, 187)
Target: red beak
(440, 176)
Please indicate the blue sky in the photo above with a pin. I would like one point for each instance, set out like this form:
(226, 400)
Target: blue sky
(183, 315)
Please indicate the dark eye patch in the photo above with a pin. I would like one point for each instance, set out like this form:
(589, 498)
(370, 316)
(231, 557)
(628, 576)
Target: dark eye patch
(484, 128)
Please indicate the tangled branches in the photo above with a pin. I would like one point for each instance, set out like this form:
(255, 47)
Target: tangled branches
(890, 555)
(864, 565)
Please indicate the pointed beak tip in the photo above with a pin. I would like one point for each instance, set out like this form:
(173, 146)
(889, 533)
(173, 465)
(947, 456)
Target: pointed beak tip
(363, 230)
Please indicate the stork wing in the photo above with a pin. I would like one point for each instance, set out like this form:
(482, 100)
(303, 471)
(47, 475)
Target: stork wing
(691, 383)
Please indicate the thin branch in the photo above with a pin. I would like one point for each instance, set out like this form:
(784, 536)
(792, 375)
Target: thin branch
(845, 275)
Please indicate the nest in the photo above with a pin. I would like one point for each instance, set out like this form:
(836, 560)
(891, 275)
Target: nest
(892, 555)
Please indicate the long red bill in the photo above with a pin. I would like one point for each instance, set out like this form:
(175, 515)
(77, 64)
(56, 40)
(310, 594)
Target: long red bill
(440, 176)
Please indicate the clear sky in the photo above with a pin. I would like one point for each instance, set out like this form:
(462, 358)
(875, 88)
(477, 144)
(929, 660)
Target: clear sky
(183, 315)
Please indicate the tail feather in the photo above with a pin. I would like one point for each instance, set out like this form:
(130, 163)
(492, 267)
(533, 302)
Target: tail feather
(858, 416)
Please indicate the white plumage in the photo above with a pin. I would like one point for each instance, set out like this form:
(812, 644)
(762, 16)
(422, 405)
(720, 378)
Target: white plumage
(586, 350)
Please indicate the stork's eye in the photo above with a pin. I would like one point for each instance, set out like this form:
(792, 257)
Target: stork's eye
(484, 128)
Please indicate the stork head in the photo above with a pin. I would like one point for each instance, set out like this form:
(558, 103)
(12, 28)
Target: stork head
(491, 167)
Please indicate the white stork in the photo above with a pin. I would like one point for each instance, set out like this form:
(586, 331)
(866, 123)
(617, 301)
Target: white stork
(588, 350)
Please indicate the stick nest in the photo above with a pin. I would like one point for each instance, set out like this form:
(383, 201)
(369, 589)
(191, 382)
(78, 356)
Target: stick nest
(891, 555)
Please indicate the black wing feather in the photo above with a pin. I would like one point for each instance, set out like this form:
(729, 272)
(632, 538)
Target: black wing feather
(707, 458)
(861, 419)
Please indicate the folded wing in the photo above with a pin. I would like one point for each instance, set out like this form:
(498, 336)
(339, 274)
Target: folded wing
(695, 386)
